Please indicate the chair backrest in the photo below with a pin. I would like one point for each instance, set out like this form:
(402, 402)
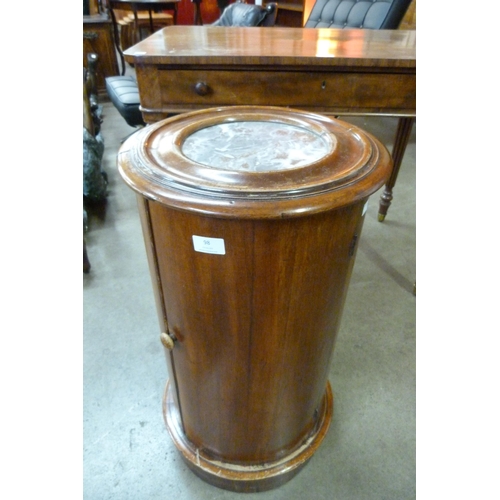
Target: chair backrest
(242, 14)
(272, 12)
(372, 14)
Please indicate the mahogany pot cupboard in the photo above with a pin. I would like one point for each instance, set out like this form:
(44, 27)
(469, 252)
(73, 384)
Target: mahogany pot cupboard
(251, 217)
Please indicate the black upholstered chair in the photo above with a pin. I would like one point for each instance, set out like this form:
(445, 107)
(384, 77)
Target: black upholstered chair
(365, 14)
(124, 94)
(246, 15)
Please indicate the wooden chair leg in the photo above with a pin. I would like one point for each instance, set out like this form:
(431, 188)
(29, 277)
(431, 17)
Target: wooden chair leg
(86, 262)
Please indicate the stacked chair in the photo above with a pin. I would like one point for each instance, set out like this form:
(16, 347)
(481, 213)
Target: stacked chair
(128, 35)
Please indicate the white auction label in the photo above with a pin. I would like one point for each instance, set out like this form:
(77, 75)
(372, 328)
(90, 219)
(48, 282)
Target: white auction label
(209, 245)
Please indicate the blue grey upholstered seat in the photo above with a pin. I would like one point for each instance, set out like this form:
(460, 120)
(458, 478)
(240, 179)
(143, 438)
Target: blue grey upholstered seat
(366, 14)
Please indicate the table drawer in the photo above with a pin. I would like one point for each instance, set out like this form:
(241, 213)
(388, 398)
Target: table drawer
(353, 91)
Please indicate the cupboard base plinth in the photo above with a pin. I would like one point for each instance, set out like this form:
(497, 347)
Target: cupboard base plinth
(245, 478)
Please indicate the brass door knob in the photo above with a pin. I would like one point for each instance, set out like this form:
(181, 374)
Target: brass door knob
(167, 341)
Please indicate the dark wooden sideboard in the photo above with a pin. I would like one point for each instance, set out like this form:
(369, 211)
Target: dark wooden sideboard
(335, 72)
(98, 39)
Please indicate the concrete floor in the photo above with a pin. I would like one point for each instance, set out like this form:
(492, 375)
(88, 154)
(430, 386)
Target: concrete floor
(369, 451)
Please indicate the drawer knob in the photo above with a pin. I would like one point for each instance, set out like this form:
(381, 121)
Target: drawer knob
(201, 88)
(167, 341)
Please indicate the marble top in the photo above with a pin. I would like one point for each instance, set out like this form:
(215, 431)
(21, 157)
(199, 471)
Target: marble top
(255, 146)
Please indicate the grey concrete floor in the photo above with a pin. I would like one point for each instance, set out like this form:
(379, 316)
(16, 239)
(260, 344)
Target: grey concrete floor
(369, 451)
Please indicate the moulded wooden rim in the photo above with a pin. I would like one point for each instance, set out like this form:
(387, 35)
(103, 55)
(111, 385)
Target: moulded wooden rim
(246, 478)
(152, 163)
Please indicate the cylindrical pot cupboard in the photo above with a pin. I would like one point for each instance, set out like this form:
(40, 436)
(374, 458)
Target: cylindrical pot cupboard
(251, 218)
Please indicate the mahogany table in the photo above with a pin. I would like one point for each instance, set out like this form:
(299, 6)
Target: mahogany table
(251, 217)
(334, 72)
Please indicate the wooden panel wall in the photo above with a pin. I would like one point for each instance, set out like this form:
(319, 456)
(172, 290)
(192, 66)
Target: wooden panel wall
(409, 22)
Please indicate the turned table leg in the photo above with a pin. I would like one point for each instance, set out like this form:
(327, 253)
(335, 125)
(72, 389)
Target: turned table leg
(86, 262)
(403, 132)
